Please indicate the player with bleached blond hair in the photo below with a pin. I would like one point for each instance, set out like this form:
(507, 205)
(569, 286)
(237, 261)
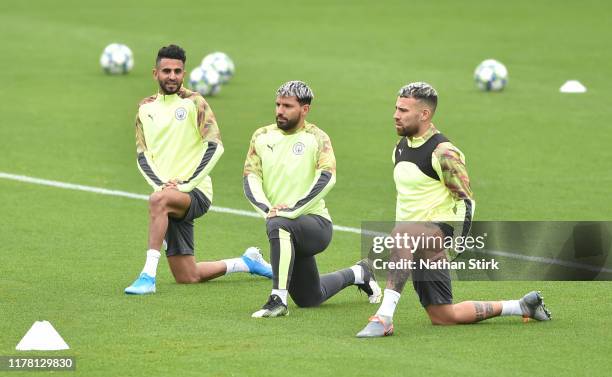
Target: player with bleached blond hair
(434, 200)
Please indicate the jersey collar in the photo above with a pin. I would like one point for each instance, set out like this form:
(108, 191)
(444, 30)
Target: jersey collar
(168, 98)
(415, 142)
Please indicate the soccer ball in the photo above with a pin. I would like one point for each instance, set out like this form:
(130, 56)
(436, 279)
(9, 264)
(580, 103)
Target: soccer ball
(491, 75)
(221, 63)
(117, 59)
(205, 80)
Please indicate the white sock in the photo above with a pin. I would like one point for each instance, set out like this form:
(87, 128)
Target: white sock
(282, 293)
(358, 271)
(150, 267)
(511, 307)
(235, 265)
(390, 300)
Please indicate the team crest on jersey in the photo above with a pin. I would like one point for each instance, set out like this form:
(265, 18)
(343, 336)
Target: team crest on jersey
(298, 148)
(180, 113)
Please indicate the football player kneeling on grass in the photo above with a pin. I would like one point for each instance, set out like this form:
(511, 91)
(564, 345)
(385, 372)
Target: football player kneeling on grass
(433, 192)
(290, 167)
(178, 143)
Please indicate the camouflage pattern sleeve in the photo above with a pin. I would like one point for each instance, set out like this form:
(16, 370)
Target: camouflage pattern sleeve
(454, 172)
(253, 178)
(326, 158)
(207, 123)
(141, 145)
(252, 164)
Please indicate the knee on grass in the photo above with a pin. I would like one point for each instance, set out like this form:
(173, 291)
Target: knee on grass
(436, 321)
(306, 302)
(187, 279)
(442, 318)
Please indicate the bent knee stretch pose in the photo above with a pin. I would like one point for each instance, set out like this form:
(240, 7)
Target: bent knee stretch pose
(290, 167)
(433, 191)
(178, 144)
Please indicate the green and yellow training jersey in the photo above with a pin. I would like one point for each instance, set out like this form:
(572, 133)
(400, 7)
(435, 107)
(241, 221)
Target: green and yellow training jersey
(296, 169)
(177, 137)
(431, 180)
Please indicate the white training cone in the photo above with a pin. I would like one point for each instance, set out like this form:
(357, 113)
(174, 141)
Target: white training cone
(42, 337)
(573, 86)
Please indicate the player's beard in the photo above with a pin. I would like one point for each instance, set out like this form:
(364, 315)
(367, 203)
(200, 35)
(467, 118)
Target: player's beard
(163, 85)
(287, 124)
(407, 131)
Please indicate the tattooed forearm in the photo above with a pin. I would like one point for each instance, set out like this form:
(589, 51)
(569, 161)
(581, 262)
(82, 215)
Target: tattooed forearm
(488, 309)
(480, 314)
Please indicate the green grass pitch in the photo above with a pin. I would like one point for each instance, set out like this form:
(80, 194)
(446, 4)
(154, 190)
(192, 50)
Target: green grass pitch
(532, 154)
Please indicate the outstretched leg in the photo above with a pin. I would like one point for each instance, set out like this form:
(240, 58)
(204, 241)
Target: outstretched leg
(466, 312)
(463, 312)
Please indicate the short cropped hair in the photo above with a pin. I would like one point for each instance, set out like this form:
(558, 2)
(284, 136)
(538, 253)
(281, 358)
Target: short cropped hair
(421, 91)
(297, 89)
(171, 52)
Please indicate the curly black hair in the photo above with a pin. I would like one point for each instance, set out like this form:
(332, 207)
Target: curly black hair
(171, 52)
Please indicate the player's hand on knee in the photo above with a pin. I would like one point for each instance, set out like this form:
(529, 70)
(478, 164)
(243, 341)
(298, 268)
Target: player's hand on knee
(172, 184)
(274, 210)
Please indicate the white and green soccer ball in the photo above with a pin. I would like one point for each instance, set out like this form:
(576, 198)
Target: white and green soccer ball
(205, 80)
(117, 59)
(491, 75)
(221, 63)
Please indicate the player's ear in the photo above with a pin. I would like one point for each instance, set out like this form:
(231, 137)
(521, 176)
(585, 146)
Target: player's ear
(425, 114)
(305, 109)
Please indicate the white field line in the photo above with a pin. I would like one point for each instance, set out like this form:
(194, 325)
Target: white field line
(545, 260)
(239, 212)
